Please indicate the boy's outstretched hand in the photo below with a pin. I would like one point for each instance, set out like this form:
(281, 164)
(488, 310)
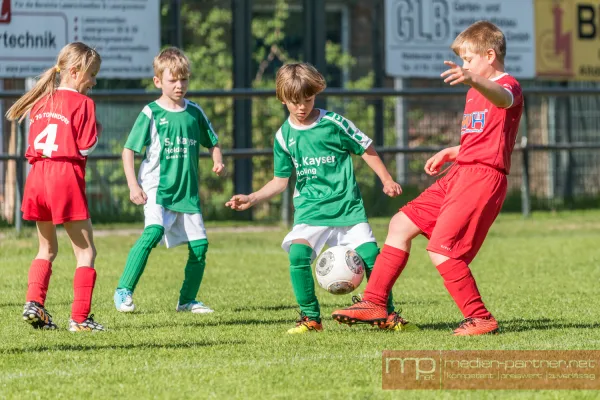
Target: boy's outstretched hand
(392, 188)
(239, 202)
(219, 169)
(455, 74)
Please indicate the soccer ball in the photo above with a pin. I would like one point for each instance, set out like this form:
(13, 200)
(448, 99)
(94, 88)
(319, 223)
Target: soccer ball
(339, 270)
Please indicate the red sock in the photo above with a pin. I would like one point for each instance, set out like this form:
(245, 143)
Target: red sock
(83, 286)
(39, 278)
(388, 267)
(462, 287)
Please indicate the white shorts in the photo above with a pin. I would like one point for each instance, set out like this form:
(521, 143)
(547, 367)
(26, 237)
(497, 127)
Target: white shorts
(319, 236)
(179, 227)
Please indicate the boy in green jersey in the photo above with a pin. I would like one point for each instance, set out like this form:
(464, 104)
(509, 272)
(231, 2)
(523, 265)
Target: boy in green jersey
(328, 206)
(172, 129)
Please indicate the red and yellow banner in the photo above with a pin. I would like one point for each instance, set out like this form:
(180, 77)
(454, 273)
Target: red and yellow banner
(568, 39)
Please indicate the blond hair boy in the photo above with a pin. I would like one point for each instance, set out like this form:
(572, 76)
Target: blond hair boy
(329, 209)
(171, 129)
(456, 212)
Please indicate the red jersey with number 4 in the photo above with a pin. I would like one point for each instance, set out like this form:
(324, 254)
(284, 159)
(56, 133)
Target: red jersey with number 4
(62, 127)
(488, 133)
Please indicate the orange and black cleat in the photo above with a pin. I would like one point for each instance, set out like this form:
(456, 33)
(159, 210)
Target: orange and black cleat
(362, 312)
(477, 326)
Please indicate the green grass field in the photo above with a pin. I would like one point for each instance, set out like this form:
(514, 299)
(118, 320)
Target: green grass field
(539, 277)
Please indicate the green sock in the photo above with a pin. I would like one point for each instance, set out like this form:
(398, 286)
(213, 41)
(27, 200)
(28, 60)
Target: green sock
(368, 252)
(138, 256)
(303, 282)
(194, 271)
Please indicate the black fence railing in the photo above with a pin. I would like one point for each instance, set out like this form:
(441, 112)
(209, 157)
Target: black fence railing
(556, 163)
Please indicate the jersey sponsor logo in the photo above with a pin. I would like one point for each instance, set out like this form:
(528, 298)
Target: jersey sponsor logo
(178, 148)
(291, 142)
(308, 170)
(473, 122)
(318, 160)
(446, 248)
(312, 172)
(163, 121)
(469, 100)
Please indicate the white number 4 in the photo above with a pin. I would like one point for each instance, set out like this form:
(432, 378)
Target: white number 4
(48, 146)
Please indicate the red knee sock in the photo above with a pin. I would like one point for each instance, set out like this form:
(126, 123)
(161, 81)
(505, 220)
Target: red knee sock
(462, 287)
(388, 267)
(83, 287)
(39, 278)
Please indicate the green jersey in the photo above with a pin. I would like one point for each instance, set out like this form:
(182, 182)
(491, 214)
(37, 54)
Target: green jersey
(326, 192)
(172, 139)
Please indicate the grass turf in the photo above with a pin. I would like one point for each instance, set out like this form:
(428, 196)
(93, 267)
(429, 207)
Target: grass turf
(539, 277)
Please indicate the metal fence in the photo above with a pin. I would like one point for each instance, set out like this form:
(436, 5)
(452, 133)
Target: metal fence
(555, 165)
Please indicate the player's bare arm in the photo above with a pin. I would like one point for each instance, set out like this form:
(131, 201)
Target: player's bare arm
(390, 187)
(241, 202)
(434, 164)
(136, 193)
(217, 157)
(494, 92)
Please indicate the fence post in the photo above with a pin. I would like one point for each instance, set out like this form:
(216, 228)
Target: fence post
(177, 32)
(525, 188)
(19, 180)
(401, 131)
(570, 161)
(315, 39)
(242, 107)
(378, 123)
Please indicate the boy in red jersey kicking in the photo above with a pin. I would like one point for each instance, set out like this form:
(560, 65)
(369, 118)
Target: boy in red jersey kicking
(456, 212)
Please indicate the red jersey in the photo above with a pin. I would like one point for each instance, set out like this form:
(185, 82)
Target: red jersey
(62, 127)
(488, 133)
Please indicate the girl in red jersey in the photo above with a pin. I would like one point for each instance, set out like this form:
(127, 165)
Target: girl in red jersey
(62, 132)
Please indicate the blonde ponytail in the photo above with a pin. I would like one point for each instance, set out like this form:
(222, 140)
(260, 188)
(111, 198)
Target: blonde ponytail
(46, 85)
(74, 55)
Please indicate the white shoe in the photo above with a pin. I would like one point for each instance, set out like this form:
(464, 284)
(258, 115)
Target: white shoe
(124, 300)
(196, 307)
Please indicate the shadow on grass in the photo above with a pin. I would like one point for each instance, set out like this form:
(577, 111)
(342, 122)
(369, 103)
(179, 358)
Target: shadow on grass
(340, 304)
(21, 304)
(522, 325)
(202, 324)
(516, 325)
(130, 346)
(11, 305)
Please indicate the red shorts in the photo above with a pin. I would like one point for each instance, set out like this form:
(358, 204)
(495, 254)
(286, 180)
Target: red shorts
(55, 191)
(457, 211)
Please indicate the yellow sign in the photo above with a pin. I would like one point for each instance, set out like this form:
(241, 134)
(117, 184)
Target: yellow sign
(568, 39)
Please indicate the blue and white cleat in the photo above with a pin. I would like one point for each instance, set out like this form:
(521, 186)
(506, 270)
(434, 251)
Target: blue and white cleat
(124, 300)
(196, 307)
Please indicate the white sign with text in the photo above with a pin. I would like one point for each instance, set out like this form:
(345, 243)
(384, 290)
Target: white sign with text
(126, 33)
(418, 34)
